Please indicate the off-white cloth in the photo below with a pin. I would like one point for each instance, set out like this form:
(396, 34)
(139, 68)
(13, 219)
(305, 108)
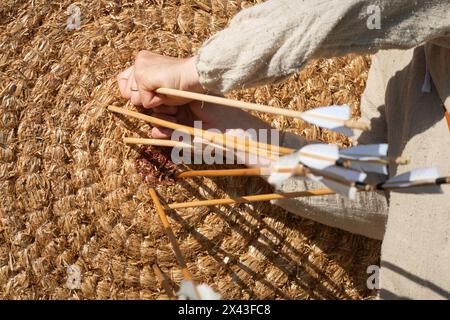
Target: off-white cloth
(415, 256)
(270, 41)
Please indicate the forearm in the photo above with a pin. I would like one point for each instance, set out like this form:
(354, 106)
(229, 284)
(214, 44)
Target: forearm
(270, 41)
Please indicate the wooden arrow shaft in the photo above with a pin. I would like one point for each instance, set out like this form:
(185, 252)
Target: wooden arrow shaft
(184, 145)
(346, 160)
(267, 197)
(228, 102)
(382, 160)
(246, 145)
(298, 170)
(169, 232)
(252, 198)
(257, 107)
(233, 172)
(156, 142)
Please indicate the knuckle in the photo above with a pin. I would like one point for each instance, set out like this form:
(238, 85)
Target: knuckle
(142, 54)
(139, 75)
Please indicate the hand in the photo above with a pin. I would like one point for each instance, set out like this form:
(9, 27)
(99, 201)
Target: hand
(233, 122)
(212, 116)
(152, 71)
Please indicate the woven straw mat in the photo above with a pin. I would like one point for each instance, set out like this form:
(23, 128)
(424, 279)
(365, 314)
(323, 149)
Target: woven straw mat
(72, 194)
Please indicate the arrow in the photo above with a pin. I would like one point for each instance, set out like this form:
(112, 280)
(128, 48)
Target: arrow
(250, 198)
(173, 240)
(366, 158)
(337, 118)
(424, 180)
(406, 182)
(402, 183)
(341, 180)
(418, 181)
(321, 166)
(227, 141)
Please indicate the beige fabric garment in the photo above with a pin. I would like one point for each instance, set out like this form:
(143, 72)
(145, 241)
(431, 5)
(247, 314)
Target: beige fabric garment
(268, 42)
(416, 247)
(437, 54)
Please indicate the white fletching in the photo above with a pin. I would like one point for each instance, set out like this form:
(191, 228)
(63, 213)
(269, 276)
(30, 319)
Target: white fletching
(187, 291)
(405, 182)
(343, 174)
(320, 156)
(365, 152)
(346, 174)
(339, 188)
(288, 161)
(369, 167)
(332, 117)
(308, 152)
(342, 189)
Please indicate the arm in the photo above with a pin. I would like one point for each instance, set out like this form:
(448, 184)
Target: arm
(270, 41)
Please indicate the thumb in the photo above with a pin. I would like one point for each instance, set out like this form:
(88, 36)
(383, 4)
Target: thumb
(149, 98)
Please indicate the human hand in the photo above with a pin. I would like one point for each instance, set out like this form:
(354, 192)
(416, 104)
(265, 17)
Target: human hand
(213, 116)
(152, 71)
(229, 121)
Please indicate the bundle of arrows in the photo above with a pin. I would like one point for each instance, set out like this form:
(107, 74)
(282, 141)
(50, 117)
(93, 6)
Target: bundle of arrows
(342, 171)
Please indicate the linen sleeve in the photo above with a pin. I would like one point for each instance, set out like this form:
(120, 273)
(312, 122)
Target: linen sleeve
(270, 41)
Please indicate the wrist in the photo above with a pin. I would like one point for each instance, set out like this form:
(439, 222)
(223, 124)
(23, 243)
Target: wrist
(190, 79)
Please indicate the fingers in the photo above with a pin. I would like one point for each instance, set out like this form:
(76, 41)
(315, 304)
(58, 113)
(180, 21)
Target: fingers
(134, 90)
(122, 80)
(135, 96)
(147, 97)
(171, 110)
(150, 100)
(129, 90)
(146, 79)
(161, 132)
(149, 72)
